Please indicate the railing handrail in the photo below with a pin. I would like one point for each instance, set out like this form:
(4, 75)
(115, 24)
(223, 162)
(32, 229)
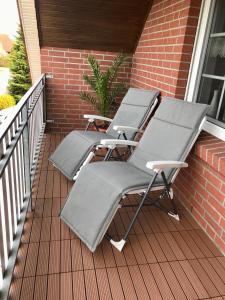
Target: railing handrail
(9, 120)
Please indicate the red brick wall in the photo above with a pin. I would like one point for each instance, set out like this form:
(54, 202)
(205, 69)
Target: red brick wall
(67, 66)
(201, 187)
(162, 58)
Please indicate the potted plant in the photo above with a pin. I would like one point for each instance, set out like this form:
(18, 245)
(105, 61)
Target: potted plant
(104, 85)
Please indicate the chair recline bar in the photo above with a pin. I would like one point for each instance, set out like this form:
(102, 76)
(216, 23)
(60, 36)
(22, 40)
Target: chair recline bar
(153, 165)
(79, 147)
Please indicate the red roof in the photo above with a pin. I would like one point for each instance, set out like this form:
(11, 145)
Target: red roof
(6, 42)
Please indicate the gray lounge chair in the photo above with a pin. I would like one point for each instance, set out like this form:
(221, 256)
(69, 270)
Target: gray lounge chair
(154, 164)
(78, 147)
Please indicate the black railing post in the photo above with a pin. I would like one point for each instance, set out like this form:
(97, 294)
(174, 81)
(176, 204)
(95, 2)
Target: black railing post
(27, 175)
(44, 99)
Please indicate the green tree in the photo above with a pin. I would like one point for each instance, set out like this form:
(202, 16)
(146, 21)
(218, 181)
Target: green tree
(104, 84)
(20, 80)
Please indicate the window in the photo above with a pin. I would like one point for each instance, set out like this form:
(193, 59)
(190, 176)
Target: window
(212, 84)
(206, 83)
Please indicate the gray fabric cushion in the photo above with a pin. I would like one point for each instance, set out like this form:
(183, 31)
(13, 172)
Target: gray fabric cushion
(133, 110)
(73, 150)
(169, 133)
(89, 209)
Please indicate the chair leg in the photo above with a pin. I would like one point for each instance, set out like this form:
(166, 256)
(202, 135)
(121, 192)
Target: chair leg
(108, 154)
(174, 213)
(120, 244)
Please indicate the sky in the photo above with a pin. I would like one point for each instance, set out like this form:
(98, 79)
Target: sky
(9, 18)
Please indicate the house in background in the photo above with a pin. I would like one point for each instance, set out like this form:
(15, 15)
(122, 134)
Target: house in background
(5, 44)
(177, 47)
(2, 51)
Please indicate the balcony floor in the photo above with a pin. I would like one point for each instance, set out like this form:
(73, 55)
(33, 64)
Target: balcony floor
(163, 259)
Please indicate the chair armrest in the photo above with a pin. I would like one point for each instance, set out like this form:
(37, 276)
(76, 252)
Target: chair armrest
(124, 129)
(91, 118)
(158, 166)
(112, 144)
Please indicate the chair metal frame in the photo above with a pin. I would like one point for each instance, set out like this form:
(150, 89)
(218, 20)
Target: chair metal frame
(157, 167)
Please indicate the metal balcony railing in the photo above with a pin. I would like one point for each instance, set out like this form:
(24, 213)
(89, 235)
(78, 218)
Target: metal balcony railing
(20, 138)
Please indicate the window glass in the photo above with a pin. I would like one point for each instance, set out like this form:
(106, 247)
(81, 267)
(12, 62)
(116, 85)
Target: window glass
(212, 84)
(215, 57)
(219, 17)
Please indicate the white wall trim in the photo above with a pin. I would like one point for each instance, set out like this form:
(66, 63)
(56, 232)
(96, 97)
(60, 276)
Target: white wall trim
(215, 130)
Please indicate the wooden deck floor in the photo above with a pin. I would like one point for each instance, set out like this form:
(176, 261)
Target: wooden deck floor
(163, 259)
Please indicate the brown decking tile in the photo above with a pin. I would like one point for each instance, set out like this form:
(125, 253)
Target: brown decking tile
(54, 257)
(88, 261)
(47, 209)
(183, 280)
(55, 229)
(138, 252)
(76, 255)
(138, 283)
(129, 255)
(36, 230)
(20, 261)
(115, 284)
(99, 262)
(15, 289)
(43, 258)
(45, 230)
(194, 279)
(161, 282)
(163, 258)
(31, 260)
(53, 292)
(127, 283)
(183, 245)
(108, 254)
(79, 291)
(207, 283)
(66, 286)
(208, 242)
(172, 281)
(160, 256)
(27, 289)
(65, 255)
(91, 285)
(40, 289)
(217, 281)
(103, 284)
(56, 204)
(165, 247)
(150, 283)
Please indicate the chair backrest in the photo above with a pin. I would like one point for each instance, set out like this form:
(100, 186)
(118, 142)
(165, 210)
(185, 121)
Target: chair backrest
(170, 134)
(134, 110)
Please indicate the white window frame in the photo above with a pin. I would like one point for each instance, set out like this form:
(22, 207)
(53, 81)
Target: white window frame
(198, 56)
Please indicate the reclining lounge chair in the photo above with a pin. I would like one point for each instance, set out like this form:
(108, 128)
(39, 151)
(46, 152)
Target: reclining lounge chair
(78, 147)
(154, 164)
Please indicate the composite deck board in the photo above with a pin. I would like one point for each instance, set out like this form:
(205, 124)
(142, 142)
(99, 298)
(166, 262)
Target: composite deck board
(163, 258)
